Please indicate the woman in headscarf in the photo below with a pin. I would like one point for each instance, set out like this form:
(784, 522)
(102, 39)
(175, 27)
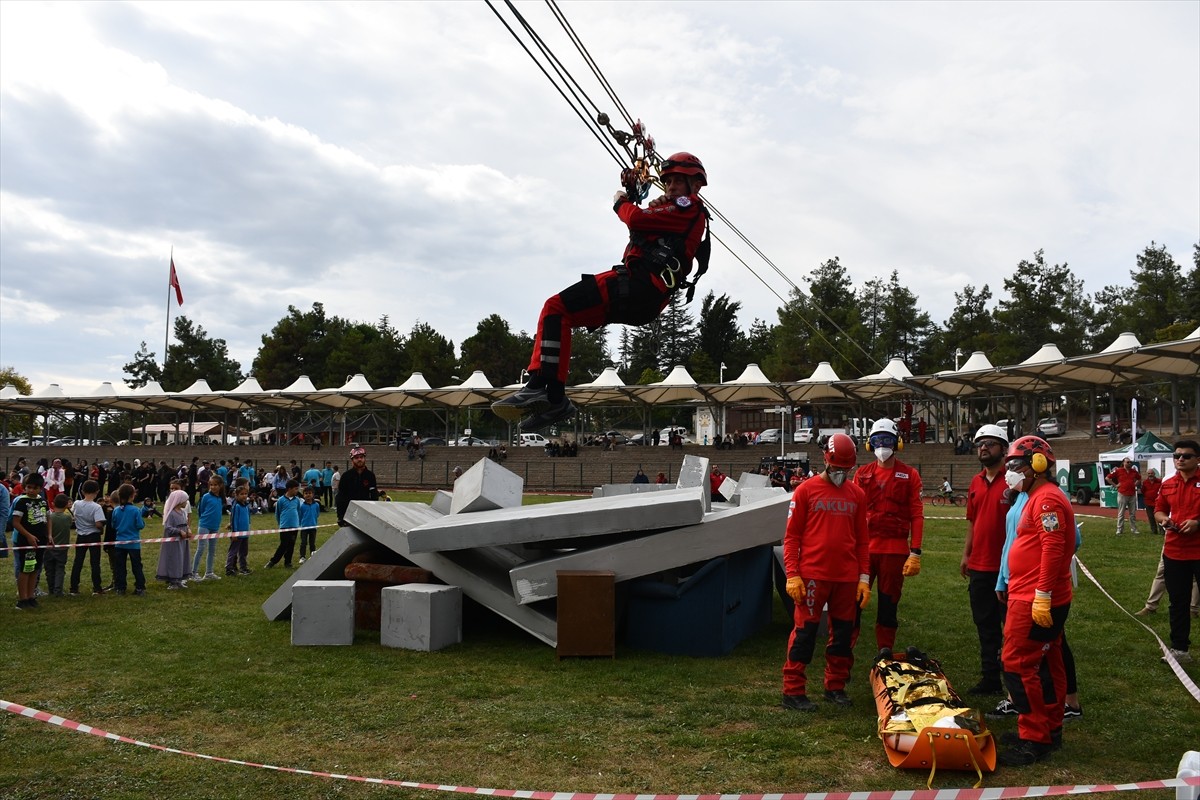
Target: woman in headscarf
(175, 558)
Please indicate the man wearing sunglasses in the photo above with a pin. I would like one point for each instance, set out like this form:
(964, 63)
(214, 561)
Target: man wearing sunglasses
(980, 565)
(1178, 511)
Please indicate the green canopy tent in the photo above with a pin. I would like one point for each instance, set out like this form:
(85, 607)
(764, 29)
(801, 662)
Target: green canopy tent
(1148, 447)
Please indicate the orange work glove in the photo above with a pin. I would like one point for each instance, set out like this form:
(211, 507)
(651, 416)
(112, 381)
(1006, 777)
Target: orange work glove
(1041, 610)
(796, 589)
(864, 590)
(912, 565)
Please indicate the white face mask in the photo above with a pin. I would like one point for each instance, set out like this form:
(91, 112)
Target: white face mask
(883, 453)
(836, 476)
(1014, 480)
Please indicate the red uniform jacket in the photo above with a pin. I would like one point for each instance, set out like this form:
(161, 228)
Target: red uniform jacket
(1125, 479)
(1180, 500)
(1150, 490)
(986, 509)
(1040, 558)
(685, 215)
(895, 515)
(826, 537)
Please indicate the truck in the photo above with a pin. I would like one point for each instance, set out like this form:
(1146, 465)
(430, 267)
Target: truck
(1081, 481)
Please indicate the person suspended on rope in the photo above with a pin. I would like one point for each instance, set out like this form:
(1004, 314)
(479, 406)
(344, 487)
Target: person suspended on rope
(664, 239)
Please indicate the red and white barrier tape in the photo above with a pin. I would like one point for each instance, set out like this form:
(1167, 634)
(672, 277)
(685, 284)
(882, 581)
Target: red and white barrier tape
(1172, 662)
(218, 535)
(994, 793)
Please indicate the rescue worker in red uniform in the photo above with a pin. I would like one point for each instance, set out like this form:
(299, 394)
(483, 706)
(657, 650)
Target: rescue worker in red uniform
(987, 507)
(825, 558)
(1178, 511)
(664, 239)
(1039, 600)
(1127, 479)
(896, 522)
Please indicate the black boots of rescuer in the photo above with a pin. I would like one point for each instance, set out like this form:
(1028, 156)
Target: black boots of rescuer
(538, 404)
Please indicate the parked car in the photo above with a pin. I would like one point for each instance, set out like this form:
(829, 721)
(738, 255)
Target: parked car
(530, 440)
(433, 441)
(770, 436)
(1104, 425)
(129, 443)
(803, 436)
(1051, 426)
(472, 441)
(639, 439)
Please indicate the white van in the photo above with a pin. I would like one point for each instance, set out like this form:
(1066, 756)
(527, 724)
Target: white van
(530, 440)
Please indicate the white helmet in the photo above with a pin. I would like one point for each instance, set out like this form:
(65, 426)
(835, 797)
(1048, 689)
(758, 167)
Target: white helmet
(991, 432)
(885, 425)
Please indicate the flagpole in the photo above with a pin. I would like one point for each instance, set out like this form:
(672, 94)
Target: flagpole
(167, 331)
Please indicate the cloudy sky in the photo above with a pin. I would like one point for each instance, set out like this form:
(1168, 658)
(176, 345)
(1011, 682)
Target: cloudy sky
(408, 159)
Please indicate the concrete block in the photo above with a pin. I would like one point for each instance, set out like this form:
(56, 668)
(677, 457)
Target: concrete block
(328, 562)
(481, 573)
(552, 522)
(753, 480)
(728, 488)
(322, 613)
(694, 472)
(748, 497)
(485, 486)
(421, 616)
(442, 501)
(618, 489)
(720, 533)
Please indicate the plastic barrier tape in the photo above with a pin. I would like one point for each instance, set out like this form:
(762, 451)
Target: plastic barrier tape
(994, 793)
(197, 537)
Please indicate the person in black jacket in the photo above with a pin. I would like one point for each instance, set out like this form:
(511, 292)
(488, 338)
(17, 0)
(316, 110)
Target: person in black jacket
(358, 483)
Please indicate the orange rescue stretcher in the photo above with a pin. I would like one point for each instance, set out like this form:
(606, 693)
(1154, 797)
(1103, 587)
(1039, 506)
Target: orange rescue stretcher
(922, 721)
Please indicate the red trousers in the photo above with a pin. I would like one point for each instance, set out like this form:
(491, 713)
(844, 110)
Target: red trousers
(887, 578)
(839, 650)
(636, 298)
(1033, 670)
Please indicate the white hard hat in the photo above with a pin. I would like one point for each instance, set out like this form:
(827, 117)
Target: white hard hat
(991, 432)
(885, 425)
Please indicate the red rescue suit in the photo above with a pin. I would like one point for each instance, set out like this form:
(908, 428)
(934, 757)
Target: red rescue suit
(1039, 560)
(825, 544)
(634, 293)
(896, 521)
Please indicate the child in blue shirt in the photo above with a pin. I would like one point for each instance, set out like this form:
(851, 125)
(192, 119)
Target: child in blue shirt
(310, 511)
(128, 522)
(239, 520)
(210, 508)
(287, 515)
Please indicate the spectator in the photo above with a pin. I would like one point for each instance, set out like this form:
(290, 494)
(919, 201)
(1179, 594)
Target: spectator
(55, 560)
(327, 485)
(56, 480)
(148, 510)
(211, 507)
(127, 523)
(1150, 489)
(1126, 478)
(641, 477)
(89, 525)
(287, 518)
(174, 558)
(237, 559)
(661, 479)
(312, 477)
(357, 484)
(30, 516)
(310, 514)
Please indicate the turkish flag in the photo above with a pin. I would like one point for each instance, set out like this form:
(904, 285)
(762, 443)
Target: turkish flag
(175, 283)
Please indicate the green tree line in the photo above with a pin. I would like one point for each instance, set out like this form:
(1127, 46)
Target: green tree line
(855, 328)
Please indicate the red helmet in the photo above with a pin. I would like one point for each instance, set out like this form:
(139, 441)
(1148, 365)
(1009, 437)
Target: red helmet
(840, 452)
(684, 164)
(1033, 449)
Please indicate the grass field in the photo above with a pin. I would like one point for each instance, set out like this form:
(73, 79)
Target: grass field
(203, 670)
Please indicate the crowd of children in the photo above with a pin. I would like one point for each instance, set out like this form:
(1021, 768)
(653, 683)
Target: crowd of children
(40, 513)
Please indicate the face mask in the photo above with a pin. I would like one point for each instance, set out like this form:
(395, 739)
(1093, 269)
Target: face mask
(1014, 480)
(836, 476)
(884, 453)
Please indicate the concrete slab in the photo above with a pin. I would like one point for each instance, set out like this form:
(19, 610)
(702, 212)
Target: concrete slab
(421, 616)
(618, 489)
(694, 473)
(748, 497)
(485, 486)
(482, 573)
(328, 562)
(721, 532)
(753, 480)
(442, 501)
(322, 613)
(728, 488)
(553, 522)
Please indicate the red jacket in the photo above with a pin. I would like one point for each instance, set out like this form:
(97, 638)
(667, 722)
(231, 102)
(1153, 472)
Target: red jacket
(826, 537)
(1125, 479)
(895, 514)
(1040, 557)
(1150, 490)
(986, 510)
(1180, 500)
(685, 215)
